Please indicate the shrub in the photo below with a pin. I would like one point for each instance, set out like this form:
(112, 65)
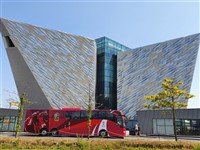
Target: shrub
(93, 144)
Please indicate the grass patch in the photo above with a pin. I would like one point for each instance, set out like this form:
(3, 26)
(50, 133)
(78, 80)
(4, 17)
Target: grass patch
(92, 144)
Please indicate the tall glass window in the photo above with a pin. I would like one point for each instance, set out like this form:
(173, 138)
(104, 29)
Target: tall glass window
(106, 85)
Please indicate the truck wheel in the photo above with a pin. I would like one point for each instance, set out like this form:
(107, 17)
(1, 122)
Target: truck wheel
(54, 132)
(103, 133)
(43, 132)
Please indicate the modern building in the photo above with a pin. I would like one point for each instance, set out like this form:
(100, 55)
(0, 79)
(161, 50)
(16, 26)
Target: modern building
(106, 84)
(141, 71)
(56, 69)
(53, 68)
(159, 122)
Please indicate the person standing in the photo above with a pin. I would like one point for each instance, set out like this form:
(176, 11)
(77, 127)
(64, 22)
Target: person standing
(136, 129)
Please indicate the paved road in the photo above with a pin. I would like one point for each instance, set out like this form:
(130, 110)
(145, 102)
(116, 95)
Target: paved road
(165, 138)
(130, 137)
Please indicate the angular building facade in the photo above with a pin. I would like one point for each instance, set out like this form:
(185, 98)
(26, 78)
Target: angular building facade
(53, 68)
(141, 71)
(106, 86)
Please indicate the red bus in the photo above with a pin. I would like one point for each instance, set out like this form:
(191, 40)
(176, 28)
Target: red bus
(74, 122)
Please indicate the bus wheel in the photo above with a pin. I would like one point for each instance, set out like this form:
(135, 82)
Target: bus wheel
(103, 133)
(43, 132)
(54, 132)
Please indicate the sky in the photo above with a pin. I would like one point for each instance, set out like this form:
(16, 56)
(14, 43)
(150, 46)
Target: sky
(132, 23)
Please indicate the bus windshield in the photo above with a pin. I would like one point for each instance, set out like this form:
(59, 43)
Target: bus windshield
(125, 120)
(121, 120)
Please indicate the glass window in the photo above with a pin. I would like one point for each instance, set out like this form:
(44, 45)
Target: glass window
(1, 119)
(76, 114)
(110, 116)
(73, 114)
(161, 129)
(168, 122)
(1, 126)
(110, 60)
(155, 126)
(106, 90)
(183, 126)
(84, 114)
(6, 122)
(95, 115)
(108, 73)
(178, 122)
(187, 122)
(100, 50)
(11, 126)
(12, 119)
(102, 115)
(109, 79)
(119, 121)
(160, 122)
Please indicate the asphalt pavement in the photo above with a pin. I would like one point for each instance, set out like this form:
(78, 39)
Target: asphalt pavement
(192, 138)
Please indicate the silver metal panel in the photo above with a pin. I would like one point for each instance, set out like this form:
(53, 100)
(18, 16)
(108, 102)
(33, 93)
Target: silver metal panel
(3, 30)
(25, 81)
(8, 112)
(196, 113)
(62, 65)
(141, 71)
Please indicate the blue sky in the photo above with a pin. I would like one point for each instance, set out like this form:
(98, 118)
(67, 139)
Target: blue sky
(132, 23)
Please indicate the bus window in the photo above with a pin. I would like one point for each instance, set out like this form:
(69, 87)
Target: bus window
(76, 114)
(95, 115)
(110, 116)
(84, 114)
(73, 114)
(102, 115)
(68, 114)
